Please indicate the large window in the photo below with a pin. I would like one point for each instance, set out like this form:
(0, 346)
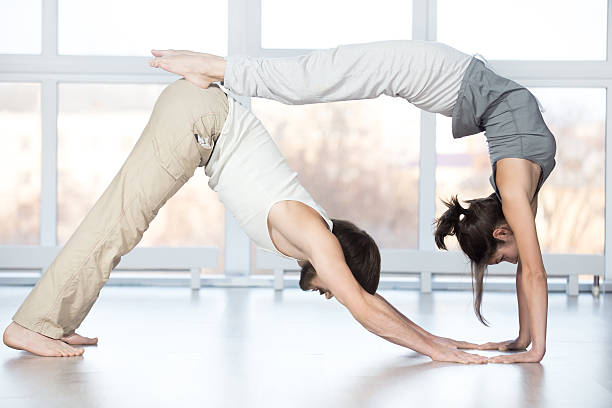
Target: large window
(358, 159)
(361, 160)
(116, 27)
(323, 23)
(20, 163)
(20, 26)
(525, 29)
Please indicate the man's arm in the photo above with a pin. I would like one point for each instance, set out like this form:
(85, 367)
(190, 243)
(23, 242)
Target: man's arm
(373, 312)
(300, 232)
(516, 184)
(437, 339)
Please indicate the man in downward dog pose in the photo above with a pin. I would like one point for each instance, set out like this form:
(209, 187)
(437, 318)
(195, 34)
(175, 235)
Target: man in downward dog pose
(192, 127)
(440, 79)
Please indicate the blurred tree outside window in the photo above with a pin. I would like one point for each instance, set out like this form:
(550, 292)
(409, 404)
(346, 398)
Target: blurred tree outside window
(20, 132)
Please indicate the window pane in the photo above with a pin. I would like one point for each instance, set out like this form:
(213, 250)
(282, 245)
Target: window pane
(20, 26)
(358, 159)
(98, 125)
(571, 203)
(525, 29)
(115, 27)
(322, 24)
(20, 163)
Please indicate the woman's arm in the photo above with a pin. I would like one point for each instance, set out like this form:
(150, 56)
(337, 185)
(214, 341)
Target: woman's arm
(517, 181)
(524, 337)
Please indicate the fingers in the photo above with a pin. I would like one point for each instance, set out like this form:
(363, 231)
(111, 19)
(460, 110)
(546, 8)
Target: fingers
(469, 358)
(475, 359)
(524, 357)
(501, 346)
(488, 346)
(502, 359)
(467, 346)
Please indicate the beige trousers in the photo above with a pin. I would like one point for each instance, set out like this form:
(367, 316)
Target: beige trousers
(163, 159)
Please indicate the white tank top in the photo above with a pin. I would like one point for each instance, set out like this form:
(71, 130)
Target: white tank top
(250, 175)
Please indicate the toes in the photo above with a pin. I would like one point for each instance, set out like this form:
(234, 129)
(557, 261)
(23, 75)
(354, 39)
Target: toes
(75, 339)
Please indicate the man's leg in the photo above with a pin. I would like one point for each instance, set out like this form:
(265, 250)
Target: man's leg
(161, 162)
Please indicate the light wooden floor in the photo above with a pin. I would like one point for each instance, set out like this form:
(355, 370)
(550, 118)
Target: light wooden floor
(169, 347)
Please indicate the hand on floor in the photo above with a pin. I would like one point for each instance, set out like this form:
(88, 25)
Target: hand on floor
(516, 344)
(524, 357)
(457, 344)
(452, 355)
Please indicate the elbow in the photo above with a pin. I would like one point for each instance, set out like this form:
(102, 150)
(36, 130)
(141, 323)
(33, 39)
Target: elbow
(534, 275)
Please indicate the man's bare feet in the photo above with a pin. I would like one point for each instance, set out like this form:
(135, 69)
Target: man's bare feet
(20, 338)
(76, 338)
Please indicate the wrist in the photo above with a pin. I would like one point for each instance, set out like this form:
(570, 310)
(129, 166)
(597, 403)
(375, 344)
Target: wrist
(524, 339)
(432, 348)
(538, 351)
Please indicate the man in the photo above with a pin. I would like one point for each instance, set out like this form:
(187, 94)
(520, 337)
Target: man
(192, 127)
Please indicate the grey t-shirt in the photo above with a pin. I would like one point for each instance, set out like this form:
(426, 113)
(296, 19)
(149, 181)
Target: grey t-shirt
(510, 117)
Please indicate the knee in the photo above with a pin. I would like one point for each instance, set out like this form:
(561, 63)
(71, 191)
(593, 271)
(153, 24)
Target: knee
(184, 101)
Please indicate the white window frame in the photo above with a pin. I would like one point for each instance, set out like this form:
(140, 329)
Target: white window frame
(244, 37)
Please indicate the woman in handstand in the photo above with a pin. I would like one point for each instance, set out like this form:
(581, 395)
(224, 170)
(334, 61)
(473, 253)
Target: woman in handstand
(189, 128)
(439, 79)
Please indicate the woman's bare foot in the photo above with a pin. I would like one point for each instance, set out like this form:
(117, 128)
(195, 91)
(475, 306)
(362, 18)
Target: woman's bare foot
(20, 338)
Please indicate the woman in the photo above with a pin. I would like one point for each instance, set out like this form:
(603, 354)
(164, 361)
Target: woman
(439, 79)
(189, 128)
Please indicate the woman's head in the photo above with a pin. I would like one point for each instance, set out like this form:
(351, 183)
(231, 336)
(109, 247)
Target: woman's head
(360, 253)
(483, 235)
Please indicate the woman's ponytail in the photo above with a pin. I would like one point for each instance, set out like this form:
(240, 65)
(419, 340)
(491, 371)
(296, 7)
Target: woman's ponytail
(473, 227)
(448, 223)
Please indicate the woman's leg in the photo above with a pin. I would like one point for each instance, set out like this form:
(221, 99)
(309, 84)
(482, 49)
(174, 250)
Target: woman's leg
(161, 162)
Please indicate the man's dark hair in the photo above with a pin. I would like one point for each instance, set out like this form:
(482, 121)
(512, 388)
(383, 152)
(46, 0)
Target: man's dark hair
(361, 254)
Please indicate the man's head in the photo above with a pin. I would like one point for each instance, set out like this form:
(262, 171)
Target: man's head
(360, 253)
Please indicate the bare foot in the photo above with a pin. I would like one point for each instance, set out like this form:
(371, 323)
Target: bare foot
(76, 338)
(20, 338)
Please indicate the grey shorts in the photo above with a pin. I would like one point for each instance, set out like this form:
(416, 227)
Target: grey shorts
(508, 114)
